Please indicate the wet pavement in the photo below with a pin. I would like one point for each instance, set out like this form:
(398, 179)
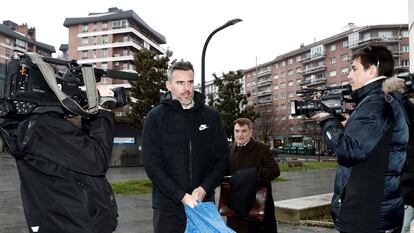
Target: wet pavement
(135, 212)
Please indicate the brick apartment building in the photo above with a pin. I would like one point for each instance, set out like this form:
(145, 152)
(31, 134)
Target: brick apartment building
(109, 40)
(325, 63)
(20, 39)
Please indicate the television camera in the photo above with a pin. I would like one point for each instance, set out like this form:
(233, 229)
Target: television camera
(408, 81)
(28, 84)
(330, 99)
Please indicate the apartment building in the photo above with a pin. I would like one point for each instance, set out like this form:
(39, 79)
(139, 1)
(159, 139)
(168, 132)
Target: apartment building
(20, 39)
(325, 63)
(110, 39)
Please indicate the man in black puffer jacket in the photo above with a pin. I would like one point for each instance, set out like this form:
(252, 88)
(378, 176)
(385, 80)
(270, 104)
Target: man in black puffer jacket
(371, 149)
(185, 150)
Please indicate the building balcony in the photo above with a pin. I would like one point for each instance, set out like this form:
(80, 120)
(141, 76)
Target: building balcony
(264, 82)
(314, 69)
(364, 42)
(263, 73)
(314, 57)
(264, 93)
(317, 82)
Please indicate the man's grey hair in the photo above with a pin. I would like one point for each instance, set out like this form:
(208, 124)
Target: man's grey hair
(179, 65)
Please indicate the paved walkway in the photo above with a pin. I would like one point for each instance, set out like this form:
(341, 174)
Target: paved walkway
(135, 213)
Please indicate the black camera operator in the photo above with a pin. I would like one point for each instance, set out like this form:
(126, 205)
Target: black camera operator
(62, 167)
(371, 148)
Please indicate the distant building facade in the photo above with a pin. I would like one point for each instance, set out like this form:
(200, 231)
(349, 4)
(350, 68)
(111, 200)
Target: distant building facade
(326, 63)
(20, 39)
(110, 40)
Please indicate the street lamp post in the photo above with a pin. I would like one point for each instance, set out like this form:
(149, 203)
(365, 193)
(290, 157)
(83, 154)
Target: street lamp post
(203, 77)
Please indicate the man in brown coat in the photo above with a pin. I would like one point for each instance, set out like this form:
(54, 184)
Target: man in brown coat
(247, 153)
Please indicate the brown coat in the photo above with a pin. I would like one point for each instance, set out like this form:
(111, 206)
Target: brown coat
(256, 154)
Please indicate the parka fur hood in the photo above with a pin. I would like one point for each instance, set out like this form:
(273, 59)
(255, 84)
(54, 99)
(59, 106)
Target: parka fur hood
(394, 84)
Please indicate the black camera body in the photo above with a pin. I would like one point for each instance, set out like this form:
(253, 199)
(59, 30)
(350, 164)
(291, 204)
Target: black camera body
(408, 81)
(24, 90)
(332, 99)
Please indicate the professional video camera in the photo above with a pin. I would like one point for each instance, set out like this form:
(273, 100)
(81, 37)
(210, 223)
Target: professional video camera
(329, 99)
(408, 81)
(28, 84)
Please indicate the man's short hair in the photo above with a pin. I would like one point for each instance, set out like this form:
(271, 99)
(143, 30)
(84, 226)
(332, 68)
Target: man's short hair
(179, 65)
(377, 55)
(243, 121)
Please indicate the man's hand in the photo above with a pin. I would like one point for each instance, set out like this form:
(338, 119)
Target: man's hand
(319, 116)
(104, 90)
(199, 193)
(189, 200)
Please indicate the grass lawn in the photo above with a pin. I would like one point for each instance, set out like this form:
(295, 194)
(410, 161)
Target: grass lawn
(133, 187)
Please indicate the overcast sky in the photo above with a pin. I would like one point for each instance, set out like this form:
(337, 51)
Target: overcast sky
(269, 27)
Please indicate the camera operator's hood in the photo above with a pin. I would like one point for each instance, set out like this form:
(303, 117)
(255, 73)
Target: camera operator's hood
(394, 84)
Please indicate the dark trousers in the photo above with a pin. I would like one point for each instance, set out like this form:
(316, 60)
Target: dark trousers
(165, 221)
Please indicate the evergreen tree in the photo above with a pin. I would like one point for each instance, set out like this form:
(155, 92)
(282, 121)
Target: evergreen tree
(152, 70)
(231, 103)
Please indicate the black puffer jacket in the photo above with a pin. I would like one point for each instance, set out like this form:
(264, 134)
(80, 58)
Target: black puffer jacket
(62, 172)
(371, 151)
(183, 149)
(407, 175)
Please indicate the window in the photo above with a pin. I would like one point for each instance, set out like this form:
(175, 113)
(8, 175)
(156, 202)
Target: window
(332, 60)
(332, 47)
(85, 28)
(290, 94)
(405, 62)
(94, 40)
(385, 34)
(20, 43)
(283, 63)
(283, 96)
(282, 85)
(94, 53)
(282, 74)
(276, 97)
(85, 41)
(332, 73)
(104, 66)
(85, 54)
(345, 44)
(405, 48)
(298, 70)
(298, 81)
(353, 39)
(125, 52)
(345, 70)
(298, 58)
(95, 27)
(344, 57)
(405, 33)
(105, 39)
(276, 65)
(104, 26)
(290, 61)
(290, 72)
(119, 24)
(147, 45)
(276, 76)
(276, 87)
(7, 41)
(290, 83)
(104, 53)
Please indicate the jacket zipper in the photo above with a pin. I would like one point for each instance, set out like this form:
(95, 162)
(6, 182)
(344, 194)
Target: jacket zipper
(191, 163)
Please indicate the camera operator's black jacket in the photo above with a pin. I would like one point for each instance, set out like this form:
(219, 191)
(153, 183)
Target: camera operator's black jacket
(183, 149)
(62, 172)
(407, 175)
(371, 151)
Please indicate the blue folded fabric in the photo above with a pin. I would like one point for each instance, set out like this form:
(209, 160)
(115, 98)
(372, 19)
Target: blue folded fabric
(205, 218)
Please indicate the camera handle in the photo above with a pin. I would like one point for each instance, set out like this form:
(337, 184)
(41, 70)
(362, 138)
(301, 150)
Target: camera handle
(67, 102)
